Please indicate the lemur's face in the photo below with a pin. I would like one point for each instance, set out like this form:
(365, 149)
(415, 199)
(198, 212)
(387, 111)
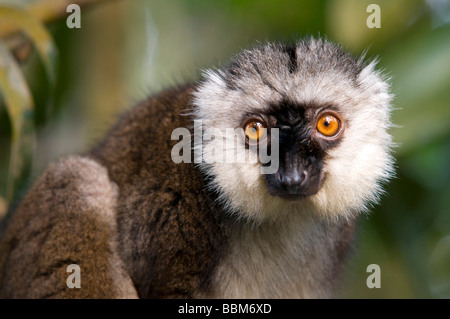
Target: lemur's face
(330, 115)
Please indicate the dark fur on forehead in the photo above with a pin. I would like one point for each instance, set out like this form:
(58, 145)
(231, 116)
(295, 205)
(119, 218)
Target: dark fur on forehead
(309, 56)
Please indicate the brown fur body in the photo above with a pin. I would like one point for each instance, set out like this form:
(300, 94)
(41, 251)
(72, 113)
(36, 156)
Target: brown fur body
(171, 233)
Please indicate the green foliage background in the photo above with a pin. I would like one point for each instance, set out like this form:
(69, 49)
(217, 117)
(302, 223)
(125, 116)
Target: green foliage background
(129, 49)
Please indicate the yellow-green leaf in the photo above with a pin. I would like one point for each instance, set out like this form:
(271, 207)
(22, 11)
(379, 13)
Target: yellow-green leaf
(37, 33)
(19, 104)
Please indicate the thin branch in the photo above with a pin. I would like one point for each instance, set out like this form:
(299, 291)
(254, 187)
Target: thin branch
(3, 208)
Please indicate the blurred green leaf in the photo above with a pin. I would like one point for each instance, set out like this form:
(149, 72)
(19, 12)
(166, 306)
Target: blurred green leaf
(347, 22)
(17, 95)
(421, 82)
(19, 105)
(439, 265)
(37, 33)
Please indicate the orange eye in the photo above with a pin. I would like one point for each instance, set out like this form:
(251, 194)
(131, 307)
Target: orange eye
(254, 131)
(328, 125)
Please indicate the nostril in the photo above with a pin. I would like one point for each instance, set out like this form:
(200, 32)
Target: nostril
(303, 178)
(279, 177)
